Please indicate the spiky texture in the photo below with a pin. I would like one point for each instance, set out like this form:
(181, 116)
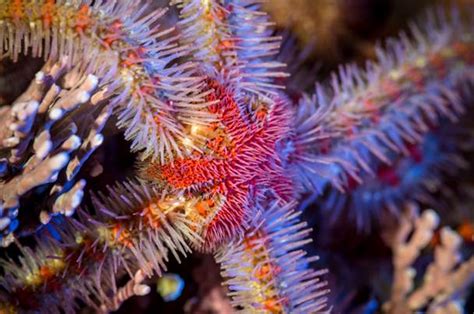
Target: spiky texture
(233, 39)
(441, 155)
(267, 270)
(234, 163)
(135, 228)
(227, 158)
(221, 145)
(235, 159)
(127, 49)
(382, 111)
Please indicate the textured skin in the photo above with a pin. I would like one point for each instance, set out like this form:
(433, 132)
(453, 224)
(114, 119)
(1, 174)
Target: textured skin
(241, 164)
(224, 144)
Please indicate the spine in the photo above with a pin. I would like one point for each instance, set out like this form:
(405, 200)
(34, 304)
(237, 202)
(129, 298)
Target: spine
(233, 40)
(135, 229)
(233, 165)
(127, 49)
(382, 111)
(267, 270)
(422, 177)
(234, 160)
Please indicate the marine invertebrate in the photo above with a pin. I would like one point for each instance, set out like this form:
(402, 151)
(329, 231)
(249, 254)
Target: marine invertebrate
(445, 279)
(44, 142)
(135, 229)
(233, 161)
(221, 161)
(440, 155)
(240, 166)
(130, 52)
(267, 271)
(198, 205)
(367, 121)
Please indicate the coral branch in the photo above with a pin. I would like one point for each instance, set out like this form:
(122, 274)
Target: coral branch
(132, 288)
(445, 280)
(43, 139)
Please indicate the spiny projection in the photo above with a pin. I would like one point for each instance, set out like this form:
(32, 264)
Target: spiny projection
(134, 228)
(441, 155)
(357, 129)
(236, 164)
(220, 144)
(234, 159)
(267, 271)
(127, 49)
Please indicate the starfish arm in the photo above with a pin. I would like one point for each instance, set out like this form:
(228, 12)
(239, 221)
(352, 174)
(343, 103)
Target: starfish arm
(128, 50)
(368, 117)
(234, 38)
(439, 157)
(135, 228)
(267, 270)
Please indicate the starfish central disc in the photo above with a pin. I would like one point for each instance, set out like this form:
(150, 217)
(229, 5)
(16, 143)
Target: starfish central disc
(237, 164)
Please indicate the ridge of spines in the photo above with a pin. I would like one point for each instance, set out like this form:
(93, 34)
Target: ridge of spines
(369, 114)
(233, 41)
(267, 269)
(136, 228)
(157, 94)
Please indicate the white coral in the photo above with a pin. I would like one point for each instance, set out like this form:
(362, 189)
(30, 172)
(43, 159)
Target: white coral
(445, 280)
